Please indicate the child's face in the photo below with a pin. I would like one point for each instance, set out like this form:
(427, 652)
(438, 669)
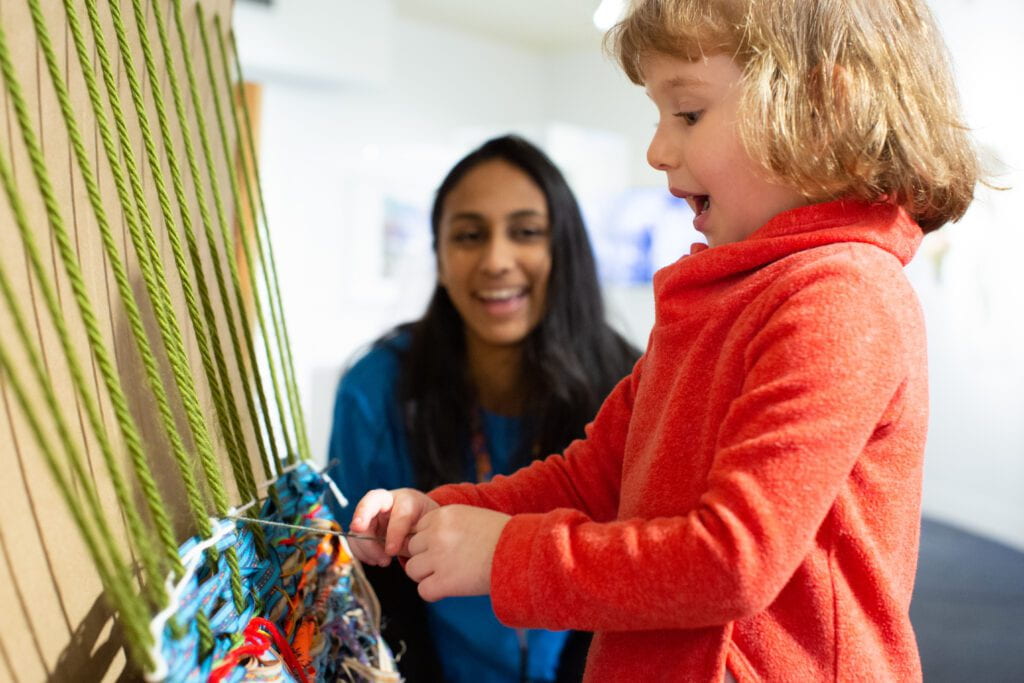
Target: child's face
(698, 147)
(494, 253)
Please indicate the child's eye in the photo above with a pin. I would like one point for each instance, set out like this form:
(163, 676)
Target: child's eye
(689, 117)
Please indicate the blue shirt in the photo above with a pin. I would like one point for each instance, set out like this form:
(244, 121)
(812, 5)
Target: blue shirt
(368, 450)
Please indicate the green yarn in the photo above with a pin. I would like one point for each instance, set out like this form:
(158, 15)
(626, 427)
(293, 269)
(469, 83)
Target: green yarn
(93, 333)
(179, 359)
(100, 542)
(205, 217)
(157, 552)
(226, 242)
(226, 149)
(154, 501)
(193, 411)
(274, 293)
(150, 270)
(116, 581)
(218, 379)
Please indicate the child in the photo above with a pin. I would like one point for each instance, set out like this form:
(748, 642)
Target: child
(746, 503)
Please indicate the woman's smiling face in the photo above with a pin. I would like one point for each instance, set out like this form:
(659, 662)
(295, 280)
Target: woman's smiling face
(494, 253)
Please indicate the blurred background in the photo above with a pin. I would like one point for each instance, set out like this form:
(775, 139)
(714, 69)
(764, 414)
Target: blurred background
(366, 104)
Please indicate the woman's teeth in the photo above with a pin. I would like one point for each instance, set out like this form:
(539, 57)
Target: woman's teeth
(500, 294)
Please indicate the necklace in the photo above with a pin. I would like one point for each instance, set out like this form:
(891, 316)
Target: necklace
(478, 445)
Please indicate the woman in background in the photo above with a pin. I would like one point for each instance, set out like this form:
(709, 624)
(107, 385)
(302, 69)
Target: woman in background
(511, 359)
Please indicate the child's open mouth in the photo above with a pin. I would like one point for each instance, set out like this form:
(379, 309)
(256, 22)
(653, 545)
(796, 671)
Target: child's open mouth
(701, 206)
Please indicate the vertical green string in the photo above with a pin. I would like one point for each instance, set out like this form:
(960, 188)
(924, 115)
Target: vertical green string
(155, 381)
(179, 359)
(264, 245)
(226, 239)
(226, 412)
(97, 346)
(116, 579)
(226, 149)
(116, 582)
(151, 272)
(242, 474)
(208, 229)
(101, 543)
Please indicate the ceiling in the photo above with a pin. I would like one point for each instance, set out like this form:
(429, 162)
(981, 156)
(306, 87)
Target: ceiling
(549, 25)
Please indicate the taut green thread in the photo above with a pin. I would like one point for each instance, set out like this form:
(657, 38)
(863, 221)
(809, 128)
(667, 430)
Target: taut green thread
(183, 460)
(152, 273)
(248, 251)
(96, 343)
(208, 231)
(144, 243)
(116, 580)
(225, 237)
(179, 359)
(287, 362)
(203, 443)
(227, 415)
(155, 504)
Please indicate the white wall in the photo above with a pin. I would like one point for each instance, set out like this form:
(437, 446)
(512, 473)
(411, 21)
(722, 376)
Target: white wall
(974, 296)
(388, 114)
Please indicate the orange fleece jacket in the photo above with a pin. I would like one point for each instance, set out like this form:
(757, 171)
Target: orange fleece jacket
(749, 496)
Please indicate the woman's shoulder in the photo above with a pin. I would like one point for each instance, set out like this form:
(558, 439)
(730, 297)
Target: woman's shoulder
(376, 368)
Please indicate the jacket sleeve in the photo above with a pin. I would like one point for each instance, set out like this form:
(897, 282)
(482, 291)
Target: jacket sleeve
(820, 377)
(585, 477)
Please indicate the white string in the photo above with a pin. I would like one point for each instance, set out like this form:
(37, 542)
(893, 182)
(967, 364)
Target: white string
(191, 560)
(338, 495)
(309, 529)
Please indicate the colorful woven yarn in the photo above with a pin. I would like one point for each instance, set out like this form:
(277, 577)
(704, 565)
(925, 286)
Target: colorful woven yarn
(308, 615)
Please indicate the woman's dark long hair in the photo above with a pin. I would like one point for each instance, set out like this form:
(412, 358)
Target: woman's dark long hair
(571, 360)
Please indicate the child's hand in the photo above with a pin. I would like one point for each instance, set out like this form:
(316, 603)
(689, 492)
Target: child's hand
(390, 515)
(452, 551)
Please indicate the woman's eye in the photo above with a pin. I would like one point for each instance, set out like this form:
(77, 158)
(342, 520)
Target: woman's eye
(529, 233)
(467, 236)
(689, 117)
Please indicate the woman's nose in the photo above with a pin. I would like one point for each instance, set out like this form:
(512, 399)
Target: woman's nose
(498, 256)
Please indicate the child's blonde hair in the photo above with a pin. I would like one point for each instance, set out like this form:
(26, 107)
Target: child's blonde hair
(842, 97)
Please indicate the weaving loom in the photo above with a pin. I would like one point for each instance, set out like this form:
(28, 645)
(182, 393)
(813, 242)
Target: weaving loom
(147, 393)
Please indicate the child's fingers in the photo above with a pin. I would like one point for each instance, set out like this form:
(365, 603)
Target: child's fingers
(418, 568)
(374, 503)
(417, 543)
(369, 552)
(404, 514)
(431, 589)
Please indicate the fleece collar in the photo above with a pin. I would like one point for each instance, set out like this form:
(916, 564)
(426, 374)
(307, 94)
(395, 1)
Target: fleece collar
(881, 224)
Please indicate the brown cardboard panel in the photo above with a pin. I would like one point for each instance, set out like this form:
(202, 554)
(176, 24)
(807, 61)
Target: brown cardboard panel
(57, 624)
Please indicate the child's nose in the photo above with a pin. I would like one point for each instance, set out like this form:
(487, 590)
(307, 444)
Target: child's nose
(659, 153)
